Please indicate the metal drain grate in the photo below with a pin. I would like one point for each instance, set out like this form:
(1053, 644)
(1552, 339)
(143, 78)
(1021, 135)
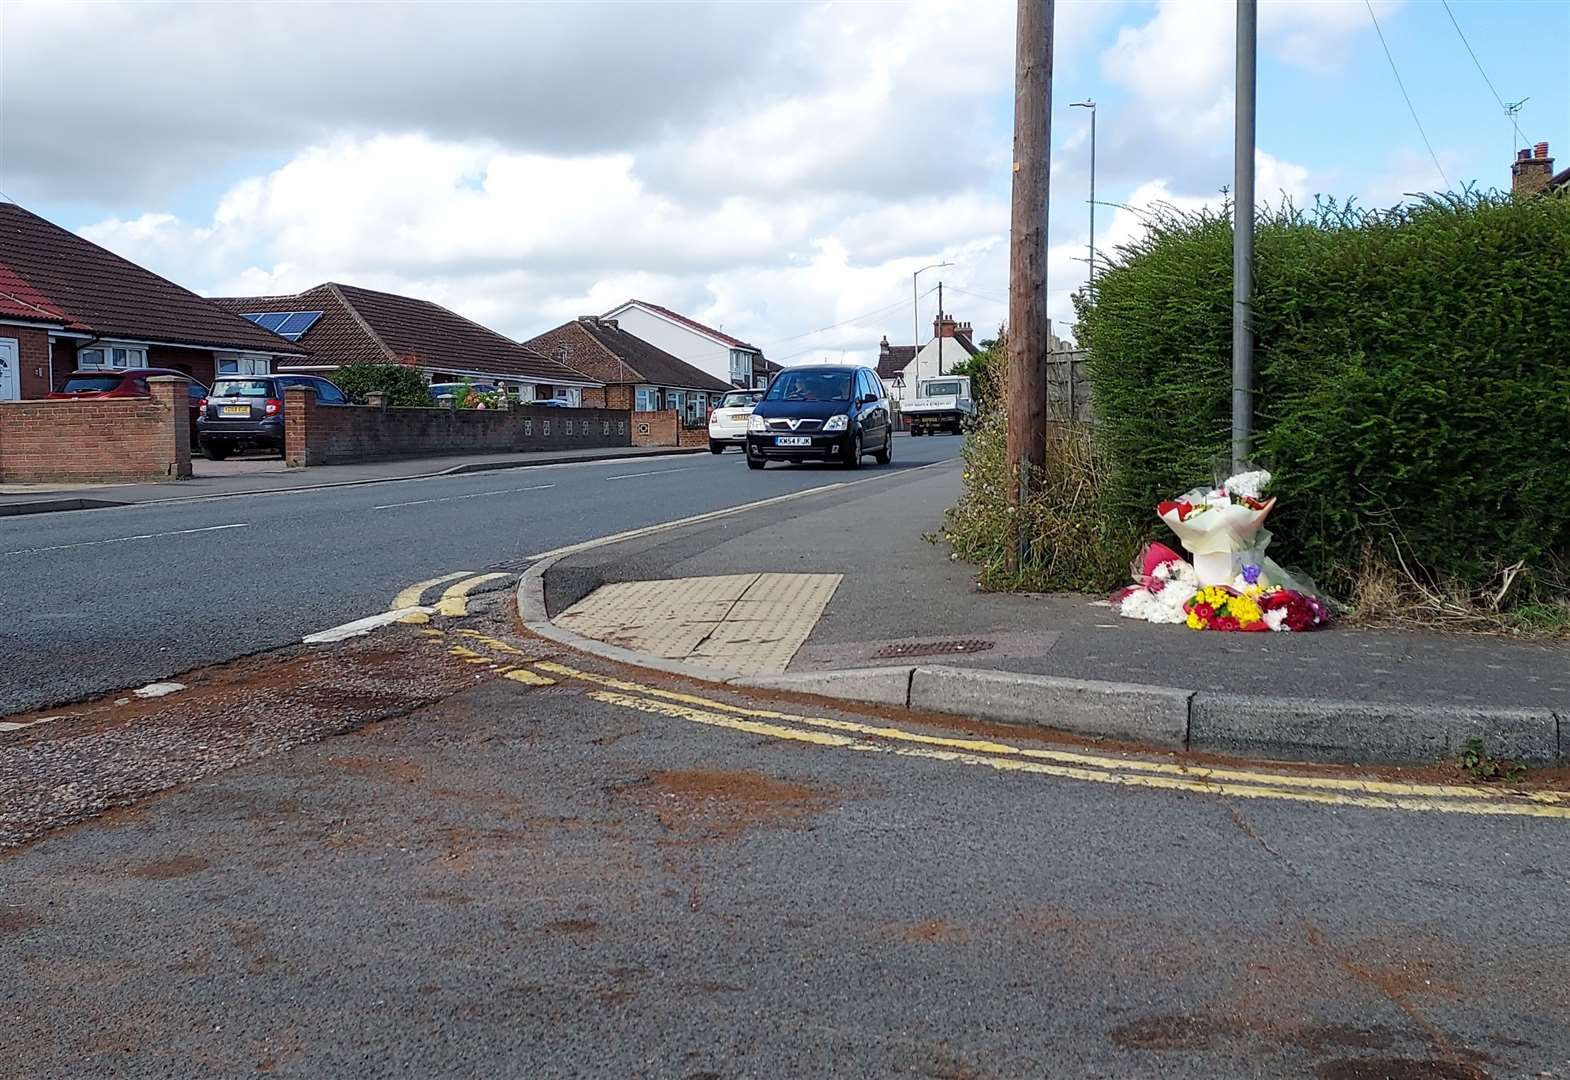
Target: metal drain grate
(932, 648)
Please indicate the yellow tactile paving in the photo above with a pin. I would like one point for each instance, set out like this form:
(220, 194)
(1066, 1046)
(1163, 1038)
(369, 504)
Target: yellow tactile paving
(748, 624)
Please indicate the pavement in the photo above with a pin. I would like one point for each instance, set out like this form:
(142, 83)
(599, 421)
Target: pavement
(452, 850)
(263, 473)
(101, 600)
(906, 625)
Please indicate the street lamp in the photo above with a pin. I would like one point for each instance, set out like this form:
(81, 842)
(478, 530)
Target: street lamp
(1091, 105)
(915, 312)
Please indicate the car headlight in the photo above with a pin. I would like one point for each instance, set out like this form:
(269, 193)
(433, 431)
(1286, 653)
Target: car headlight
(836, 423)
(757, 424)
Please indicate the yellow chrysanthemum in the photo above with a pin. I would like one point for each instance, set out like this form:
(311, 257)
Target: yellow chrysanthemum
(1244, 610)
(1195, 622)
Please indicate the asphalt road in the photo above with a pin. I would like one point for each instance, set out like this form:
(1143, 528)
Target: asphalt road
(566, 881)
(101, 600)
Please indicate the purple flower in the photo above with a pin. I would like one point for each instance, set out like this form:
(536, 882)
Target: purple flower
(1251, 574)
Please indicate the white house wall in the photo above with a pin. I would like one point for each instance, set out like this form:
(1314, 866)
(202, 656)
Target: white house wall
(925, 366)
(702, 353)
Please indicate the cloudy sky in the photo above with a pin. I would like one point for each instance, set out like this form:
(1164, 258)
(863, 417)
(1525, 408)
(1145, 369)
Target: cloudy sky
(775, 168)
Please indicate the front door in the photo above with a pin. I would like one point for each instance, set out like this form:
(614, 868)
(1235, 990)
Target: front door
(10, 372)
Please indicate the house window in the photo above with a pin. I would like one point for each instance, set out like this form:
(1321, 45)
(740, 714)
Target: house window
(740, 366)
(232, 364)
(526, 392)
(573, 395)
(111, 356)
(673, 400)
(648, 399)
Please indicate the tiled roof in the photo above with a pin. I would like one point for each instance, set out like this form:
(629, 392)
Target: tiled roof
(895, 361)
(694, 324)
(650, 363)
(366, 325)
(967, 344)
(97, 291)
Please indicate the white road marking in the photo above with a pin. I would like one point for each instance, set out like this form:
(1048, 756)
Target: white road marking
(454, 498)
(124, 539)
(630, 534)
(361, 626)
(657, 472)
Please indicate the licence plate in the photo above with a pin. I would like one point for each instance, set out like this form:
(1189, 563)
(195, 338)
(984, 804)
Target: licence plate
(792, 440)
(235, 410)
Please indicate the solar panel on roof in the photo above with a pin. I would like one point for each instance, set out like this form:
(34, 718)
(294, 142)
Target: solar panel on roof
(298, 323)
(253, 316)
(270, 320)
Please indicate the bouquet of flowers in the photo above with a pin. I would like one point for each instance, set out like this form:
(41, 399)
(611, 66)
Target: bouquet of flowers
(1217, 524)
(1252, 603)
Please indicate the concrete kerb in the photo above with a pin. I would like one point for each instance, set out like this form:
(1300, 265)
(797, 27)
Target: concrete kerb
(1296, 729)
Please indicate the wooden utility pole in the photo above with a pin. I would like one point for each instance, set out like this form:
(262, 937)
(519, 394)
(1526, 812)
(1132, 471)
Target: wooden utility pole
(1028, 322)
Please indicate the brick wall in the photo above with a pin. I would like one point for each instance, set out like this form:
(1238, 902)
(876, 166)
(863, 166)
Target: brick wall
(594, 397)
(32, 359)
(655, 428)
(334, 434)
(108, 440)
(197, 363)
(693, 437)
(619, 396)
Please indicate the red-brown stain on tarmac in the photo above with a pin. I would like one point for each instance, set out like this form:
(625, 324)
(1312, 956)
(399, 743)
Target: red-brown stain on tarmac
(720, 804)
(393, 771)
(177, 866)
(573, 926)
(928, 930)
(15, 920)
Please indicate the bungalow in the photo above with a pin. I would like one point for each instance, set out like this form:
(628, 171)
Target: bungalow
(636, 374)
(66, 303)
(344, 324)
(709, 350)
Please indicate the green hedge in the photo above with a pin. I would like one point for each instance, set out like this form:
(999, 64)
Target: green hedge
(402, 385)
(1413, 375)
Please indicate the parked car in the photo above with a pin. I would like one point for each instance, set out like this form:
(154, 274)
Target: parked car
(553, 403)
(247, 411)
(825, 413)
(728, 421)
(94, 383)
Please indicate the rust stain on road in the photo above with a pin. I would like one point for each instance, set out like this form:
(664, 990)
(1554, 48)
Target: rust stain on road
(164, 869)
(721, 804)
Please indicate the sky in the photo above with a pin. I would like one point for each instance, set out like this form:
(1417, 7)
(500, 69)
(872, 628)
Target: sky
(776, 169)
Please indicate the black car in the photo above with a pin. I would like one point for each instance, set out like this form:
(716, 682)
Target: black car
(247, 410)
(821, 413)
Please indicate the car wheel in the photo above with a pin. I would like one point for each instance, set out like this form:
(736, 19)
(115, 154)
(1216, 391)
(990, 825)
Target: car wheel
(854, 461)
(886, 455)
(716, 448)
(755, 463)
(215, 451)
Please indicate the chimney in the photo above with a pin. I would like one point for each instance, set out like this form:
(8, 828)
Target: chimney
(944, 326)
(1531, 171)
(883, 346)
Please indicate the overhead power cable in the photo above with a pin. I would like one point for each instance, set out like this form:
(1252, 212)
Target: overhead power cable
(1508, 111)
(1408, 97)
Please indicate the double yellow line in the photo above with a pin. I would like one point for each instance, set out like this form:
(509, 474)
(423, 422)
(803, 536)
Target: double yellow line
(454, 601)
(1005, 757)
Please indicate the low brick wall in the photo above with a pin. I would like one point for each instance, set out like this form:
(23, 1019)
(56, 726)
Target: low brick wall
(655, 428)
(693, 437)
(337, 434)
(110, 440)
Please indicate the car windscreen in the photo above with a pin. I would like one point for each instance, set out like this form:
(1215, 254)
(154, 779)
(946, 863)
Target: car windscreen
(90, 384)
(739, 401)
(262, 388)
(941, 389)
(811, 386)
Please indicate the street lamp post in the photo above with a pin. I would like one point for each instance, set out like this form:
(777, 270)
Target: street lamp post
(1091, 105)
(915, 314)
